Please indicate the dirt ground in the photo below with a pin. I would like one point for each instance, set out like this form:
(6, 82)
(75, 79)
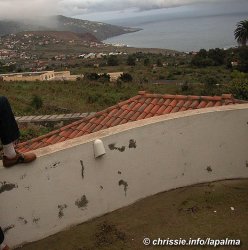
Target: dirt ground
(216, 210)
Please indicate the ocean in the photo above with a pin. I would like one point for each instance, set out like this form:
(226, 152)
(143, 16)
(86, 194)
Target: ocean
(189, 33)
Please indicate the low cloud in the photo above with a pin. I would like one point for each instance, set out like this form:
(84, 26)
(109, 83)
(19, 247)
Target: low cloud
(33, 8)
(87, 6)
(22, 9)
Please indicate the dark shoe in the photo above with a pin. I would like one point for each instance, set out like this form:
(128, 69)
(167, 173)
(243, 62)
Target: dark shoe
(20, 158)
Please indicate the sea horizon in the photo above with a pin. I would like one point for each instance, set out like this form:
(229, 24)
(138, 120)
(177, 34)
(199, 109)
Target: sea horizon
(180, 33)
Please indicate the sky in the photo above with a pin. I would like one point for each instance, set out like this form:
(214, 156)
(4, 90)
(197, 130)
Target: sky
(109, 9)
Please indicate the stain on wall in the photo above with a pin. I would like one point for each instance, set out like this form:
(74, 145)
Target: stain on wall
(82, 171)
(54, 165)
(7, 187)
(209, 169)
(6, 229)
(23, 176)
(119, 172)
(125, 185)
(246, 164)
(36, 220)
(22, 220)
(132, 143)
(82, 202)
(61, 210)
(113, 147)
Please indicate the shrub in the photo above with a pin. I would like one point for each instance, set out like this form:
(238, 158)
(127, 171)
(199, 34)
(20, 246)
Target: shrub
(36, 102)
(113, 61)
(92, 76)
(239, 88)
(146, 62)
(126, 77)
(105, 77)
(131, 60)
(159, 63)
(185, 87)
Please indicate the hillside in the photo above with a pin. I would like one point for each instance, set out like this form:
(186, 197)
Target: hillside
(61, 23)
(58, 35)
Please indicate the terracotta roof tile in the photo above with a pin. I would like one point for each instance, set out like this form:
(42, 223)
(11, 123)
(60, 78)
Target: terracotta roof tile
(182, 109)
(149, 108)
(187, 104)
(180, 103)
(194, 104)
(135, 116)
(155, 109)
(116, 122)
(202, 104)
(168, 110)
(155, 101)
(175, 109)
(210, 104)
(141, 116)
(142, 106)
(218, 103)
(161, 109)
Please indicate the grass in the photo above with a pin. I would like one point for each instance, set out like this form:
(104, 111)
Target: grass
(191, 212)
(69, 97)
(88, 96)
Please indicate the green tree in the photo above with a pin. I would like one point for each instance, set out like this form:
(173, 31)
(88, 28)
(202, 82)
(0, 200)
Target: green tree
(92, 76)
(113, 61)
(243, 59)
(217, 56)
(241, 32)
(131, 60)
(105, 77)
(126, 77)
(146, 61)
(159, 63)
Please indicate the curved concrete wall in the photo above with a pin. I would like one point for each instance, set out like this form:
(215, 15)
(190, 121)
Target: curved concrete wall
(67, 185)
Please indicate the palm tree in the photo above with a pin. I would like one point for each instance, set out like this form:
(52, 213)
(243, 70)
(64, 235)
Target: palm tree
(241, 32)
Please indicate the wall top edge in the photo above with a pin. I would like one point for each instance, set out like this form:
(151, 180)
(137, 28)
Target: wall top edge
(132, 125)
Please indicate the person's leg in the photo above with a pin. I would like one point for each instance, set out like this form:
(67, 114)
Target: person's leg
(9, 133)
(1, 236)
(3, 246)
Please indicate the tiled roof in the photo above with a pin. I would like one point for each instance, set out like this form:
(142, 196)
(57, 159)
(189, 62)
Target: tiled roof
(142, 106)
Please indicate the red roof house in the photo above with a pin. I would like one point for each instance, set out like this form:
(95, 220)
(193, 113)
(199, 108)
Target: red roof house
(142, 106)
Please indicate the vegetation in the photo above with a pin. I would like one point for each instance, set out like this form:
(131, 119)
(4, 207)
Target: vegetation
(213, 57)
(131, 60)
(113, 61)
(241, 32)
(36, 102)
(126, 77)
(95, 91)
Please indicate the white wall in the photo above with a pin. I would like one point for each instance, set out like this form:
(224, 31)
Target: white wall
(66, 185)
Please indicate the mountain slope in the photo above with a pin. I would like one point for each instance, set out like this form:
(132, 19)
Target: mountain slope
(61, 23)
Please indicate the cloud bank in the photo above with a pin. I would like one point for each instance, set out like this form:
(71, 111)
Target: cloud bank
(33, 8)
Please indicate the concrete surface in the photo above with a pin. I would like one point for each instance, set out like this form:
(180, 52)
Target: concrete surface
(67, 185)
